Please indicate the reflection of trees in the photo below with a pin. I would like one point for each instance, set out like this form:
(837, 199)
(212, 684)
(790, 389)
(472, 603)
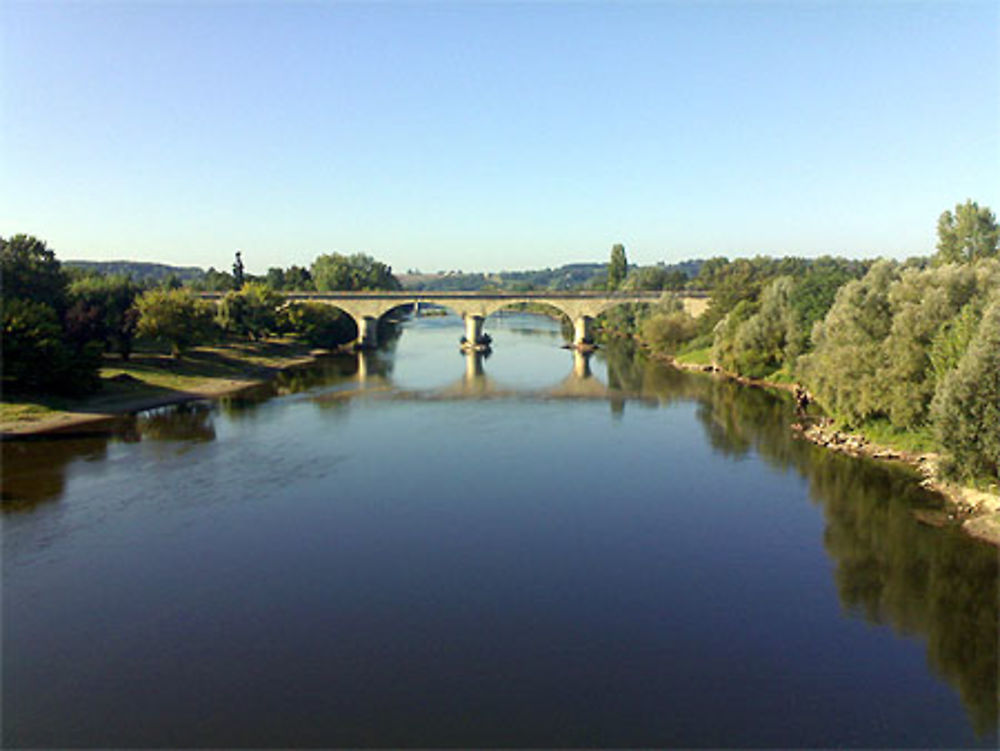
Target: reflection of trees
(191, 421)
(33, 472)
(889, 568)
(625, 364)
(919, 580)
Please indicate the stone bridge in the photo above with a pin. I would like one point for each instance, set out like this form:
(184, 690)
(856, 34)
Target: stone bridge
(366, 308)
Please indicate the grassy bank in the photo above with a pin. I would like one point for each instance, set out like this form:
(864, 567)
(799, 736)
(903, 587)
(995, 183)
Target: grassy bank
(152, 378)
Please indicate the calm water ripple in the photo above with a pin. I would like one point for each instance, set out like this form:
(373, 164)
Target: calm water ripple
(421, 548)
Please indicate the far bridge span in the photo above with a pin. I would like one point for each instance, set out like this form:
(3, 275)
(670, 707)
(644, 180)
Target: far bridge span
(366, 308)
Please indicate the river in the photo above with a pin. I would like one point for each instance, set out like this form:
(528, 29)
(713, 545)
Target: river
(420, 548)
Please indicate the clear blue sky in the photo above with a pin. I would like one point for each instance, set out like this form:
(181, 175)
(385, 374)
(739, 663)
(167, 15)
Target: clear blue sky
(489, 136)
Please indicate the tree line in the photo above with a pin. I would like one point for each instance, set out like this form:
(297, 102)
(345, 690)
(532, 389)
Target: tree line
(60, 323)
(912, 347)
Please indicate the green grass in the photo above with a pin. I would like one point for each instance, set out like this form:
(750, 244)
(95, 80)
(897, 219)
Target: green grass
(884, 433)
(782, 375)
(696, 357)
(152, 372)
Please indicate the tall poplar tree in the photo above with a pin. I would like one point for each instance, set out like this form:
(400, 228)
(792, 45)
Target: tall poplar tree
(617, 267)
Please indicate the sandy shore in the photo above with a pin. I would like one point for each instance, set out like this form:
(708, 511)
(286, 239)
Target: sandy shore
(70, 421)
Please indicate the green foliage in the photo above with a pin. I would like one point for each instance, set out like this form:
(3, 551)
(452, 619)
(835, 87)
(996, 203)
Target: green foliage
(141, 272)
(843, 371)
(967, 234)
(40, 352)
(30, 271)
(890, 339)
(813, 295)
(320, 325)
(617, 267)
(761, 341)
(654, 278)
(745, 279)
(176, 317)
(250, 311)
(107, 304)
(966, 408)
(335, 272)
(621, 319)
(214, 281)
(923, 302)
(952, 340)
(724, 349)
(292, 279)
(665, 332)
(32, 343)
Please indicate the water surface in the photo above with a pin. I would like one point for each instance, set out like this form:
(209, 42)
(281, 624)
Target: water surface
(421, 548)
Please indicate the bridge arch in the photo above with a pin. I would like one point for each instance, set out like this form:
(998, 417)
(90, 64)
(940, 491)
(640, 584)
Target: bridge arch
(367, 308)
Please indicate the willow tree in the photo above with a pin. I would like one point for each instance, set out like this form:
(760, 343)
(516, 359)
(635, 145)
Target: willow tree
(966, 408)
(844, 370)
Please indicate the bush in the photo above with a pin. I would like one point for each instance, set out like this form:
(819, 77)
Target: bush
(665, 332)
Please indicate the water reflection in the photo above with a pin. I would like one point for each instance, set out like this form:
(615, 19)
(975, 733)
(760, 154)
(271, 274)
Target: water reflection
(889, 569)
(190, 422)
(32, 473)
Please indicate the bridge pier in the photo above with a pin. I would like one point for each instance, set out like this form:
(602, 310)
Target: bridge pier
(581, 364)
(474, 337)
(367, 332)
(473, 366)
(582, 336)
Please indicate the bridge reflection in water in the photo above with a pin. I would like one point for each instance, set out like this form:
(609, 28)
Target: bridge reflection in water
(372, 379)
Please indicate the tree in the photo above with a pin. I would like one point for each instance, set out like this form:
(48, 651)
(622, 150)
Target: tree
(30, 271)
(966, 408)
(39, 351)
(813, 295)
(969, 233)
(275, 278)
(33, 346)
(238, 272)
(665, 331)
(617, 267)
(923, 302)
(105, 305)
(251, 311)
(320, 325)
(214, 281)
(175, 317)
(844, 369)
(760, 344)
(336, 272)
(298, 279)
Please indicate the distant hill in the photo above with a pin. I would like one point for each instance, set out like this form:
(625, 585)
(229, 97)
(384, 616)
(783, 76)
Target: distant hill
(138, 270)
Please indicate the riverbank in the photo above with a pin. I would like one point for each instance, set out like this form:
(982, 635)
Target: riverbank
(152, 379)
(976, 511)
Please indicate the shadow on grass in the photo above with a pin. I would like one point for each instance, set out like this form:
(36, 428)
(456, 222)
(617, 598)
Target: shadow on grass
(151, 378)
